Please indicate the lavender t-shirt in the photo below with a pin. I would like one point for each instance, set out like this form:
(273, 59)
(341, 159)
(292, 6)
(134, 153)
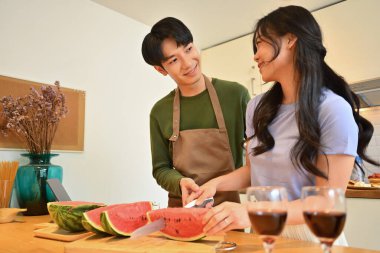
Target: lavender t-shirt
(339, 135)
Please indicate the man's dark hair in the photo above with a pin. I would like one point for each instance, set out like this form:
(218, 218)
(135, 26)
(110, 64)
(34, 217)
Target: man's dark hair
(165, 28)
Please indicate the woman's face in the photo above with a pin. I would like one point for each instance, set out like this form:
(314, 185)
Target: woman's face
(273, 69)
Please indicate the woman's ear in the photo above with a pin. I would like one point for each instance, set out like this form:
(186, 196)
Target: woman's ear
(291, 40)
(161, 70)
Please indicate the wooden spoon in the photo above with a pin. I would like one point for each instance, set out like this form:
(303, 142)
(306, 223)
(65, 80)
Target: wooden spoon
(9, 214)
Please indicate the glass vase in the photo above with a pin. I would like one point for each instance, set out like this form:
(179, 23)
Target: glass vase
(32, 190)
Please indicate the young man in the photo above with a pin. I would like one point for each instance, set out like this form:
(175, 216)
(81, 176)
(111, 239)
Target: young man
(196, 130)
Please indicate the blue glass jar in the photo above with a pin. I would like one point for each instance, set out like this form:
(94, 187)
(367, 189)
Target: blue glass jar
(32, 190)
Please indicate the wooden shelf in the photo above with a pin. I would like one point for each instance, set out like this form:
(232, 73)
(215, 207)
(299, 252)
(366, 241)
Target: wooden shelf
(366, 194)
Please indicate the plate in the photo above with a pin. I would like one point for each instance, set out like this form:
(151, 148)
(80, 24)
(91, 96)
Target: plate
(362, 188)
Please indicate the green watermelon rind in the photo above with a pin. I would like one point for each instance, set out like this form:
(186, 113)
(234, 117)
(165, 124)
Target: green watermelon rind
(176, 238)
(106, 224)
(88, 227)
(110, 228)
(68, 217)
(91, 226)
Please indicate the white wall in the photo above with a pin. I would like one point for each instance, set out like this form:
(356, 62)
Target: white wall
(352, 37)
(234, 61)
(231, 61)
(89, 47)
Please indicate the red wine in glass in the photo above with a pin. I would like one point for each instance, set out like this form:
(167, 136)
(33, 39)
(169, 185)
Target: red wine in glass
(268, 222)
(324, 211)
(267, 210)
(327, 226)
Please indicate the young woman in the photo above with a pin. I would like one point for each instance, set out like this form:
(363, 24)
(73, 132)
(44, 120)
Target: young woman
(306, 130)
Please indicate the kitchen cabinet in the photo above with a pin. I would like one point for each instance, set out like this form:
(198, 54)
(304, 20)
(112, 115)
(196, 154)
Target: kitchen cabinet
(362, 227)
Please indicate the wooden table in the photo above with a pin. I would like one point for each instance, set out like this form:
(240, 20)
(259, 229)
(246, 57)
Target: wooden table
(18, 237)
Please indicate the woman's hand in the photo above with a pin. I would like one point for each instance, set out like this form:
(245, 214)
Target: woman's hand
(225, 217)
(207, 190)
(188, 186)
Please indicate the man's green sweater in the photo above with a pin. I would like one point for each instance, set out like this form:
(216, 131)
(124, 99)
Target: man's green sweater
(196, 113)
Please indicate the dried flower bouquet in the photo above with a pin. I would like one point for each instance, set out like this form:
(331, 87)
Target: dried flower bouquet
(35, 117)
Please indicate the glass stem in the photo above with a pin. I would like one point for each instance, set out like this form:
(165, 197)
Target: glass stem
(268, 247)
(326, 247)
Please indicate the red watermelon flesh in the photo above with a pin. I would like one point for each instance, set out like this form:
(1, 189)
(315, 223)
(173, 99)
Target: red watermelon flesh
(123, 219)
(181, 224)
(91, 219)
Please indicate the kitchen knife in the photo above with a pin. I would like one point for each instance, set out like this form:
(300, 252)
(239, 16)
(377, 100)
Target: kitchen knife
(58, 190)
(205, 202)
(148, 228)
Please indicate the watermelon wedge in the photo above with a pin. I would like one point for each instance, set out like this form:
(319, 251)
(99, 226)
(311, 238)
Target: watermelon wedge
(91, 219)
(181, 224)
(68, 214)
(123, 219)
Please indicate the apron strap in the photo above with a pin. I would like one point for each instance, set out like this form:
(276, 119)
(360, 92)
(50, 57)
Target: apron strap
(176, 110)
(215, 104)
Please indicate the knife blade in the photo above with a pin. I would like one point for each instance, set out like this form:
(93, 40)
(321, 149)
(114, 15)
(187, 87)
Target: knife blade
(148, 228)
(205, 202)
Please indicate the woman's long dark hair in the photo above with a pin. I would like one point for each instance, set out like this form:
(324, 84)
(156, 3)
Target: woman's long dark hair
(314, 75)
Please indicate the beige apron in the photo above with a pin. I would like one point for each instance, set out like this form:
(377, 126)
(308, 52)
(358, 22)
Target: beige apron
(202, 154)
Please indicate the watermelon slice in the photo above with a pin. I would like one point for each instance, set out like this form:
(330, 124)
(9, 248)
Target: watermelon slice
(91, 219)
(181, 224)
(68, 214)
(123, 219)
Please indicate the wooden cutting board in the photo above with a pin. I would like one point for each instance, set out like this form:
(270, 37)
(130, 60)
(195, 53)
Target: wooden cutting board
(151, 243)
(55, 233)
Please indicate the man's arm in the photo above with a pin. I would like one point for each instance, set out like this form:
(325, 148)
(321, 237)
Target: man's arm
(164, 173)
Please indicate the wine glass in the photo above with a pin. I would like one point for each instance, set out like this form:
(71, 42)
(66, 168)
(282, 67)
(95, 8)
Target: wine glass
(324, 211)
(267, 210)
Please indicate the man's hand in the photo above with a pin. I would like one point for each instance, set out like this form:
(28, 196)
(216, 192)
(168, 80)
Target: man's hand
(188, 186)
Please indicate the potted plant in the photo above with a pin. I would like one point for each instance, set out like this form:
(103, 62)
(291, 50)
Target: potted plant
(34, 118)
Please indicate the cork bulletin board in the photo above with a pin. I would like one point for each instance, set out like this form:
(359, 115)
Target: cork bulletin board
(70, 132)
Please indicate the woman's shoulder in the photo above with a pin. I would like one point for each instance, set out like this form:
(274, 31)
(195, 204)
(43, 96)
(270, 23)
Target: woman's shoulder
(255, 100)
(331, 100)
(333, 103)
(252, 104)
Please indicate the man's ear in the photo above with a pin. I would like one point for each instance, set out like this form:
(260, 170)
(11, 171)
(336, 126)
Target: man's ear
(292, 39)
(161, 70)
